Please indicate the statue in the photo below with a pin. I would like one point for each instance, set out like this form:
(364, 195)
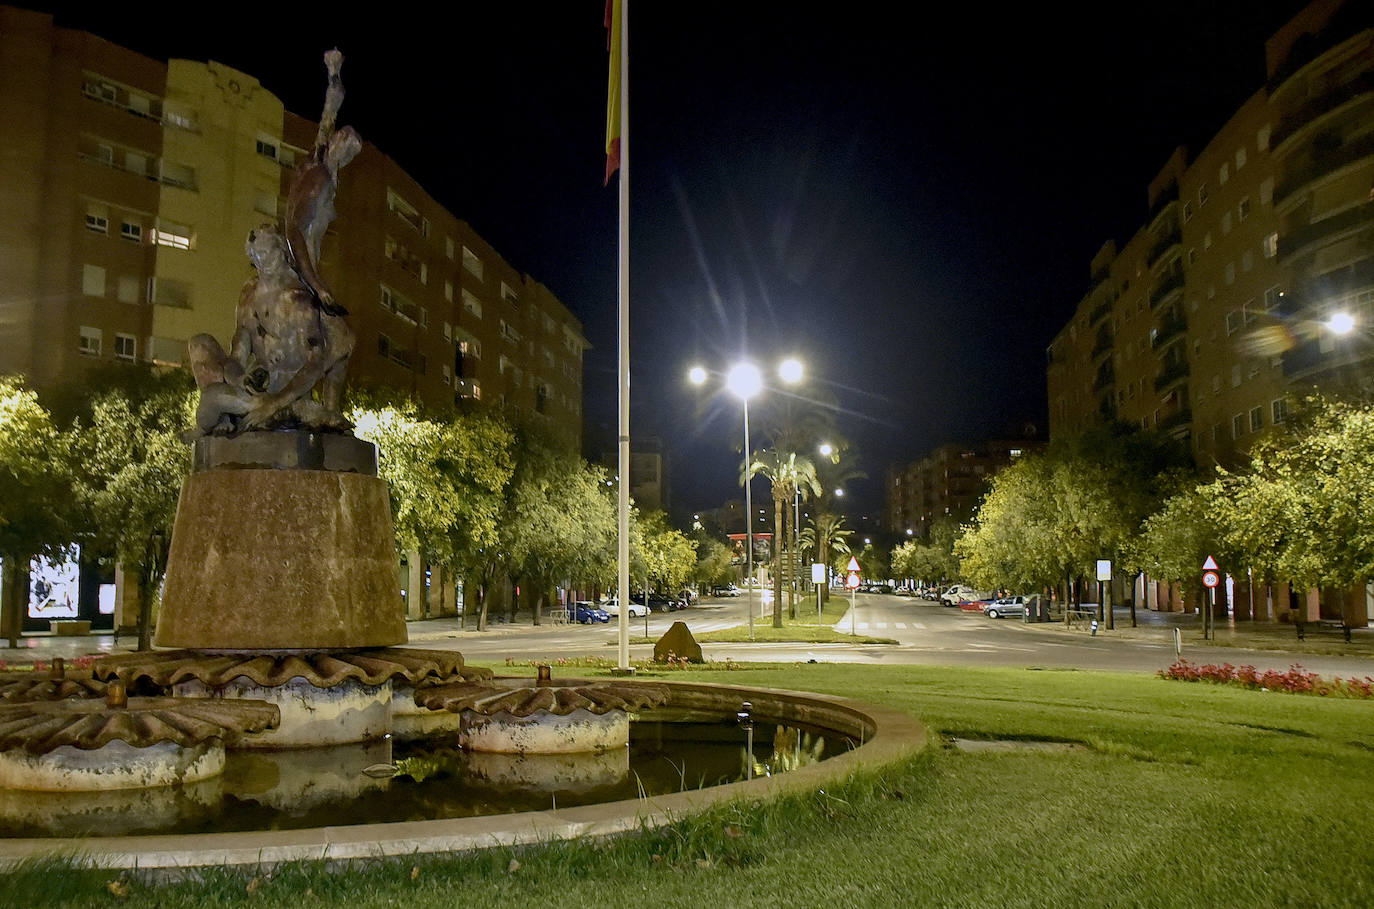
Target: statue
(290, 338)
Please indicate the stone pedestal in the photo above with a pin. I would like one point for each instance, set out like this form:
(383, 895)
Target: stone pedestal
(282, 541)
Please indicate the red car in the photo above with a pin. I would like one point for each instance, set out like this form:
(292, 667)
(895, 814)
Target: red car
(974, 605)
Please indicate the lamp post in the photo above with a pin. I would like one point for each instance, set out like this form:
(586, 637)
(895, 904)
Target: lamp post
(744, 381)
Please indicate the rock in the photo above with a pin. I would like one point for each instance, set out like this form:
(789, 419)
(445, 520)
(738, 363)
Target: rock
(678, 642)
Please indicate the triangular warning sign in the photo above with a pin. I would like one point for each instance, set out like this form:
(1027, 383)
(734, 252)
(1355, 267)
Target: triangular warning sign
(1210, 564)
(853, 564)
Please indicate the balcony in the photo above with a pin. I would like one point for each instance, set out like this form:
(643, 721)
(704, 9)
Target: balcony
(1350, 219)
(1323, 164)
(1176, 423)
(1168, 285)
(1173, 238)
(1100, 313)
(1105, 378)
(1345, 24)
(1168, 331)
(1168, 196)
(1104, 342)
(1172, 372)
(1321, 105)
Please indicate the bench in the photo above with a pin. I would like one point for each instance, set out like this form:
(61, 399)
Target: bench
(1320, 625)
(1084, 611)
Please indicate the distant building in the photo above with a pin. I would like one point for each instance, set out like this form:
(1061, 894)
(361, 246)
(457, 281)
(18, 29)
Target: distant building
(946, 484)
(1220, 306)
(130, 185)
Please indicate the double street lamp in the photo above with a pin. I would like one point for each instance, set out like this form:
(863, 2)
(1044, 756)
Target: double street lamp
(744, 380)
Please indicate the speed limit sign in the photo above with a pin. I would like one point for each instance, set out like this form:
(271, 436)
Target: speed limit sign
(1210, 579)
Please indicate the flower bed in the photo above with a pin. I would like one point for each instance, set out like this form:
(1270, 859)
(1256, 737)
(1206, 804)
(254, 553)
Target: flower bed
(1295, 680)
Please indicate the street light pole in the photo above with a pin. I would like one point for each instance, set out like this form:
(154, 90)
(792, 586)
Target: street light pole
(748, 527)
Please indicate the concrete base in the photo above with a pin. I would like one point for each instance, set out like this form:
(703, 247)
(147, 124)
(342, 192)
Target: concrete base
(117, 765)
(545, 733)
(310, 716)
(302, 779)
(281, 560)
(411, 722)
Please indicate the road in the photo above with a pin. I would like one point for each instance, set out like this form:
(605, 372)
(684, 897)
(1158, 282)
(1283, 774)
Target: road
(926, 633)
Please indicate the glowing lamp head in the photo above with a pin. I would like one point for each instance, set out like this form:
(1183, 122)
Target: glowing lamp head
(1341, 323)
(696, 375)
(744, 381)
(826, 449)
(790, 370)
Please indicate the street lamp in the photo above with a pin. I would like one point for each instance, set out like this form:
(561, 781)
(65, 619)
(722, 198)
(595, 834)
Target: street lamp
(744, 381)
(1341, 323)
(826, 449)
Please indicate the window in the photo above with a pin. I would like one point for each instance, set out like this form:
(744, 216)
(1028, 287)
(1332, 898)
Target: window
(448, 331)
(1230, 273)
(127, 289)
(267, 148)
(169, 233)
(1247, 260)
(472, 304)
(508, 332)
(1238, 426)
(1266, 191)
(1262, 137)
(1240, 158)
(126, 347)
(1207, 240)
(89, 341)
(1235, 376)
(93, 280)
(97, 218)
(384, 300)
(1249, 310)
(448, 247)
(508, 294)
(472, 263)
(163, 292)
(383, 346)
(1202, 194)
(1187, 211)
(1279, 409)
(504, 364)
(1225, 173)
(1192, 256)
(448, 291)
(173, 174)
(131, 230)
(1226, 224)
(448, 376)
(1243, 210)
(470, 347)
(1271, 298)
(1270, 245)
(406, 212)
(1216, 384)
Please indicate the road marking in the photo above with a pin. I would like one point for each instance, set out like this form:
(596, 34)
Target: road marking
(902, 625)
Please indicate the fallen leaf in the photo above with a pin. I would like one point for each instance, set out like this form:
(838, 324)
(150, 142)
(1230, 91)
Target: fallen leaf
(733, 832)
(118, 888)
(513, 867)
(253, 885)
(414, 872)
(703, 863)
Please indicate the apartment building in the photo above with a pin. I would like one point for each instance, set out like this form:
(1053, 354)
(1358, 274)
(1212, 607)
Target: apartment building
(1220, 306)
(947, 484)
(131, 184)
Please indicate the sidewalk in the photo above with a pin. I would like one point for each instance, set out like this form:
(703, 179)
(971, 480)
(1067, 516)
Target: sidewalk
(1275, 636)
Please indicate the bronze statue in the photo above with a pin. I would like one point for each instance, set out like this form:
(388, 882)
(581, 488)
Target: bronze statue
(290, 339)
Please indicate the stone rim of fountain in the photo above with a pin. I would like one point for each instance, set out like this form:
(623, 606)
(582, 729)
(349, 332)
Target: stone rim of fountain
(39, 727)
(489, 698)
(887, 735)
(268, 669)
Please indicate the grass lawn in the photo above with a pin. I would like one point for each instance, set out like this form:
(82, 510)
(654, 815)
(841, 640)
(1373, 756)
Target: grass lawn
(805, 629)
(1182, 794)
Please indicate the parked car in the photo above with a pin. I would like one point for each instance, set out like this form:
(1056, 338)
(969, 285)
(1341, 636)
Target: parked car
(975, 605)
(637, 610)
(960, 593)
(725, 590)
(1005, 606)
(585, 613)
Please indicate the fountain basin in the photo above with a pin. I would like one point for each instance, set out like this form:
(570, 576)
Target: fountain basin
(886, 735)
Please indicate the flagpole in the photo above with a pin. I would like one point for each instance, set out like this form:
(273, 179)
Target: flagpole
(623, 314)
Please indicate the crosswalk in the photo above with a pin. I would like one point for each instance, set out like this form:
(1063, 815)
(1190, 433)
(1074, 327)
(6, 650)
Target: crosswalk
(883, 626)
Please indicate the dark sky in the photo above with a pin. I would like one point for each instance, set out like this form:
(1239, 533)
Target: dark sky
(910, 204)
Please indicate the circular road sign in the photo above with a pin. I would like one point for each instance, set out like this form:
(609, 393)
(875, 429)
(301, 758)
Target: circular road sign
(1210, 579)
(852, 582)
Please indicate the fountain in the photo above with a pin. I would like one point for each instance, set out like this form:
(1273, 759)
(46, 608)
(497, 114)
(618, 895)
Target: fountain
(282, 683)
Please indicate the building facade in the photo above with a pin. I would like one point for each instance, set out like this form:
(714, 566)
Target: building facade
(947, 484)
(132, 185)
(1219, 308)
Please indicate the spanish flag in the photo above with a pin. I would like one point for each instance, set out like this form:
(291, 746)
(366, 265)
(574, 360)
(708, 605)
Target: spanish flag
(613, 20)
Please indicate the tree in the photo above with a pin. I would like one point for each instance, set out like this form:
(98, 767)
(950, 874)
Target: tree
(35, 490)
(132, 460)
(669, 555)
(787, 472)
(826, 538)
(930, 561)
(714, 565)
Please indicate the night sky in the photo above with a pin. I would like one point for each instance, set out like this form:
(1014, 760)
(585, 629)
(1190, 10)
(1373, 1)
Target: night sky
(910, 206)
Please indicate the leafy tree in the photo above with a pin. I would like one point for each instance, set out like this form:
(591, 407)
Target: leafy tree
(35, 490)
(787, 472)
(826, 539)
(931, 560)
(669, 555)
(714, 565)
(132, 459)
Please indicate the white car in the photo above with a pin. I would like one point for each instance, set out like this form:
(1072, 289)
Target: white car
(637, 610)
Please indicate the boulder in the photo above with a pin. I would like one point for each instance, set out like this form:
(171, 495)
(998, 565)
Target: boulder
(678, 642)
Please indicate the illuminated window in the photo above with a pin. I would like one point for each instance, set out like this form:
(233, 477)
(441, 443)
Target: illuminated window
(1262, 137)
(1271, 246)
(1240, 158)
(1225, 173)
(88, 341)
(472, 304)
(448, 291)
(169, 233)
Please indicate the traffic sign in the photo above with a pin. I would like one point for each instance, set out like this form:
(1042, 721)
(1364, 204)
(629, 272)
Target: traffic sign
(1210, 565)
(852, 582)
(817, 573)
(1104, 569)
(853, 564)
(1210, 578)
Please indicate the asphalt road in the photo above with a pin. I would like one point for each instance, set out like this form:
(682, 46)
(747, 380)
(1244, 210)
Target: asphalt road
(926, 632)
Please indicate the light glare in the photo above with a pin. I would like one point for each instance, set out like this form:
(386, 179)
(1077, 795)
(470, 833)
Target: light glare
(790, 370)
(696, 375)
(1341, 323)
(744, 381)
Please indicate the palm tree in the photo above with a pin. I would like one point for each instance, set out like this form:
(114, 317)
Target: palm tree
(833, 472)
(787, 471)
(826, 536)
